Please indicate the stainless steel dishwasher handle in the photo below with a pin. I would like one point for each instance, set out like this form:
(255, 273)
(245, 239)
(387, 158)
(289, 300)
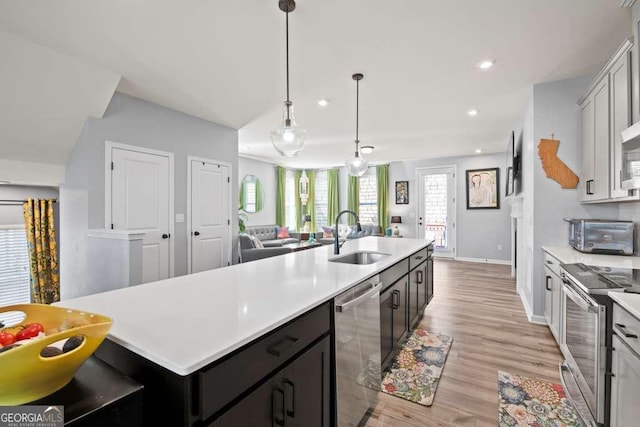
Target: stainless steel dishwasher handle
(345, 306)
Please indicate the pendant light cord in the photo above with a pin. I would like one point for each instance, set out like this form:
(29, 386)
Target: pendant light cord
(287, 44)
(357, 108)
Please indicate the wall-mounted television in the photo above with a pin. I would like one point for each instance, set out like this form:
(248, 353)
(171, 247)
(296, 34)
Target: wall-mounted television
(514, 165)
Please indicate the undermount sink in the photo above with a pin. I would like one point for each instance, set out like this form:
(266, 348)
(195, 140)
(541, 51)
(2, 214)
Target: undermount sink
(360, 258)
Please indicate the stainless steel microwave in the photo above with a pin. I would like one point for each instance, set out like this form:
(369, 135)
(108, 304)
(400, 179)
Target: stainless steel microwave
(631, 158)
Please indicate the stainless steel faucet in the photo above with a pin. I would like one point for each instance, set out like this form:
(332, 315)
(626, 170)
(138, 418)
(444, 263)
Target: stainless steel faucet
(336, 243)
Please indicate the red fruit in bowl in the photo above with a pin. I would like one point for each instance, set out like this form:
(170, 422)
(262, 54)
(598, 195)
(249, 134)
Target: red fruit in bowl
(7, 338)
(30, 331)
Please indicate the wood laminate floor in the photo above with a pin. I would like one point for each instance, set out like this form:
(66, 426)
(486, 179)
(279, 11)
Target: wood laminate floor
(478, 306)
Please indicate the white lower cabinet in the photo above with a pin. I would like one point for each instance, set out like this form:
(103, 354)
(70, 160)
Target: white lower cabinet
(553, 296)
(625, 386)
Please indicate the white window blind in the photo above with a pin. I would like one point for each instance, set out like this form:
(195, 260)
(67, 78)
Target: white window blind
(369, 197)
(14, 266)
(322, 199)
(290, 201)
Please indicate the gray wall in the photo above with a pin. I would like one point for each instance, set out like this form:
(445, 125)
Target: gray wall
(472, 241)
(556, 112)
(135, 122)
(266, 172)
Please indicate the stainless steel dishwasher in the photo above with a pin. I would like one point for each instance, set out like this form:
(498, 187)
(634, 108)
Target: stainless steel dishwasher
(357, 335)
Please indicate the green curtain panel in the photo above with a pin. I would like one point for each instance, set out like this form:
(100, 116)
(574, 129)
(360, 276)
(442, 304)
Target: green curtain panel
(382, 175)
(299, 212)
(353, 197)
(333, 207)
(43, 252)
(311, 204)
(281, 186)
(259, 196)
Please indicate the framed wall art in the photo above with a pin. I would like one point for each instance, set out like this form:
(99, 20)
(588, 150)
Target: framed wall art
(402, 192)
(482, 188)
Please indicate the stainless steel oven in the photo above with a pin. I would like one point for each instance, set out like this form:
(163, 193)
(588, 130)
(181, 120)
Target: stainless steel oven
(584, 347)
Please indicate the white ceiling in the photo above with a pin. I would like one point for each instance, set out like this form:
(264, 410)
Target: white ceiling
(224, 61)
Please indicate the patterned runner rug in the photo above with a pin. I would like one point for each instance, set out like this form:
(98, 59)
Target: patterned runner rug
(532, 402)
(416, 369)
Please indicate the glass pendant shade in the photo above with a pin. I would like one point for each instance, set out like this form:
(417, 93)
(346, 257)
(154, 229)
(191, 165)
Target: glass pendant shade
(357, 166)
(288, 139)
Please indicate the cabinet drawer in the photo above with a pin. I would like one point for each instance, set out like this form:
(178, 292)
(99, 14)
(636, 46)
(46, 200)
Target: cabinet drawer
(552, 263)
(417, 258)
(626, 327)
(228, 379)
(392, 274)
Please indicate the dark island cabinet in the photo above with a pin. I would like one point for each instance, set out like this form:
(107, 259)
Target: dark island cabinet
(430, 274)
(298, 395)
(281, 378)
(393, 319)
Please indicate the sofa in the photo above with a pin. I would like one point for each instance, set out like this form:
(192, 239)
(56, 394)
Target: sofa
(273, 246)
(349, 232)
(268, 236)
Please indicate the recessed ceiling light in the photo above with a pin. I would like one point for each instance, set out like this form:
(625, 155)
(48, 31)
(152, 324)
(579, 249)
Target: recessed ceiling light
(473, 112)
(367, 149)
(478, 151)
(485, 65)
(323, 102)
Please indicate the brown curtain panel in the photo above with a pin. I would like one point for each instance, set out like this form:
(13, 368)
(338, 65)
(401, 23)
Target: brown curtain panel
(43, 250)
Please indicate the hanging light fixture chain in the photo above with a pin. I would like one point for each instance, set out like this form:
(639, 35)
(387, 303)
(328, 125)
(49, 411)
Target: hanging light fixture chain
(357, 110)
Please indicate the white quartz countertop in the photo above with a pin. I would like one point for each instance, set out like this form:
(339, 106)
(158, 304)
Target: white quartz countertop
(568, 255)
(630, 302)
(187, 322)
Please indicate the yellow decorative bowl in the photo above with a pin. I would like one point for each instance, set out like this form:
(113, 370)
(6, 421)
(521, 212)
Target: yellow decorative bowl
(25, 375)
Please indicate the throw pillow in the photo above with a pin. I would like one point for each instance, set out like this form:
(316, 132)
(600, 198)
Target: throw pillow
(344, 230)
(327, 232)
(283, 233)
(258, 243)
(252, 239)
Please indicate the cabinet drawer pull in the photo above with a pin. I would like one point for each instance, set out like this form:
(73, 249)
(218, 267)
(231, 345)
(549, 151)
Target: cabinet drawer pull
(278, 348)
(419, 257)
(274, 406)
(549, 262)
(625, 333)
(292, 412)
(547, 284)
(396, 305)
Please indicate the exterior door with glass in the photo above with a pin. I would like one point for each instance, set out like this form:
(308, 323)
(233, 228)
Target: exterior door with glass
(437, 208)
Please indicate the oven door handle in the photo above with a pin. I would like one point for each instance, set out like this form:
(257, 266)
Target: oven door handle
(568, 290)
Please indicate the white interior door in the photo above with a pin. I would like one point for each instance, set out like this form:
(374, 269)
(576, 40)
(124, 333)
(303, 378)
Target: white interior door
(210, 216)
(437, 208)
(140, 200)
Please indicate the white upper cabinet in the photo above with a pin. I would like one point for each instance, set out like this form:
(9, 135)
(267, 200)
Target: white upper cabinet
(620, 81)
(605, 111)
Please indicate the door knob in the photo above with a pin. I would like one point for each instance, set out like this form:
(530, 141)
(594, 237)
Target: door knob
(165, 236)
(196, 233)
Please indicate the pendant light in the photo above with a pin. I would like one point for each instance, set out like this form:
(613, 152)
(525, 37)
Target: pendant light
(357, 165)
(288, 139)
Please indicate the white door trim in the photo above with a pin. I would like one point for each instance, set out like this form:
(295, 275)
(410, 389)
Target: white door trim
(109, 145)
(191, 159)
(454, 219)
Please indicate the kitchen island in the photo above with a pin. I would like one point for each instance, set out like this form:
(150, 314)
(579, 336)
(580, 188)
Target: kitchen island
(172, 335)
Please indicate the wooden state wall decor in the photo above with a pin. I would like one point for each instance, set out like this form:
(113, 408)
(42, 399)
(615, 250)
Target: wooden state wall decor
(553, 167)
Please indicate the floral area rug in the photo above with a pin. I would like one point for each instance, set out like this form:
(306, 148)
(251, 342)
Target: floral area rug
(417, 367)
(531, 402)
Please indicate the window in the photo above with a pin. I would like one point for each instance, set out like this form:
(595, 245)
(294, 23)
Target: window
(322, 199)
(14, 266)
(290, 201)
(369, 197)
(250, 196)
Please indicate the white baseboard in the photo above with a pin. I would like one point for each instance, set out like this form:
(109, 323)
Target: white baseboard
(484, 261)
(540, 320)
